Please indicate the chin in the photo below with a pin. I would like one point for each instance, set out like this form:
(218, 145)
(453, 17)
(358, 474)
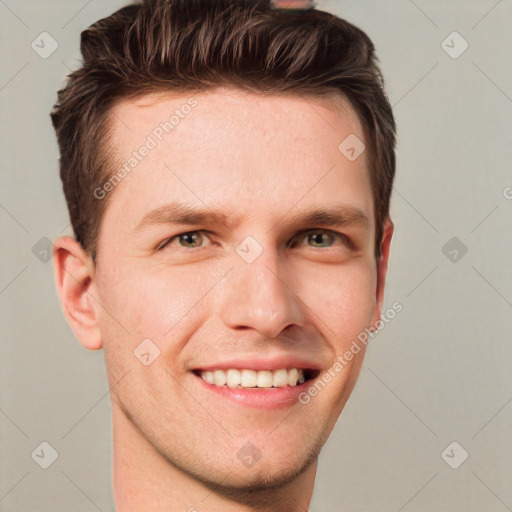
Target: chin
(252, 487)
(239, 482)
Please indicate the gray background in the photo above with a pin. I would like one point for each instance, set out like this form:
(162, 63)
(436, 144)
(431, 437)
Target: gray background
(438, 373)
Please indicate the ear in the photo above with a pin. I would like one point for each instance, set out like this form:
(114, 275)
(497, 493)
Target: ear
(382, 269)
(74, 275)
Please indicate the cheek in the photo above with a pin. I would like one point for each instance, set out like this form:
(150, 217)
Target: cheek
(341, 298)
(148, 304)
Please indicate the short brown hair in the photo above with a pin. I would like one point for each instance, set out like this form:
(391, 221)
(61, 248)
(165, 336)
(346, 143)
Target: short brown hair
(197, 45)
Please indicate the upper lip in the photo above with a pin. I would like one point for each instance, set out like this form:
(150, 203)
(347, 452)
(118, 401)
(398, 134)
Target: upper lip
(253, 363)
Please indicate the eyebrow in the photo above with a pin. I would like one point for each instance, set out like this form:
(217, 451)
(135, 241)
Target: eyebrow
(178, 213)
(337, 216)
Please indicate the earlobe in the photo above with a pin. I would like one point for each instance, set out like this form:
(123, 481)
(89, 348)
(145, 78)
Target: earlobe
(74, 275)
(382, 268)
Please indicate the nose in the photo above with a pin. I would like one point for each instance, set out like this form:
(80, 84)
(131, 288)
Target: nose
(259, 296)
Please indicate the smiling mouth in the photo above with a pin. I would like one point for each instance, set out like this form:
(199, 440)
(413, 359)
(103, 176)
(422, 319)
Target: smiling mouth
(257, 379)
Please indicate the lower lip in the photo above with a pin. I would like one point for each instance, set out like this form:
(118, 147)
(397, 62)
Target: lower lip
(262, 398)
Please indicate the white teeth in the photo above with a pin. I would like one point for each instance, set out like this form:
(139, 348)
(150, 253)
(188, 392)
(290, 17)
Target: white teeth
(219, 377)
(248, 379)
(264, 379)
(293, 376)
(234, 378)
(280, 378)
(208, 377)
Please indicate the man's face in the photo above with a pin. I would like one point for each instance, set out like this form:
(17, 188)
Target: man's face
(263, 289)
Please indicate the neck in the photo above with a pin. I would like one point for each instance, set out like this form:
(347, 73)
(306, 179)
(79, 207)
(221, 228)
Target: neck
(144, 479)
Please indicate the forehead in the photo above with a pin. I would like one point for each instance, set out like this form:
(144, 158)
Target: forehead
(247, 152)
(330, 114)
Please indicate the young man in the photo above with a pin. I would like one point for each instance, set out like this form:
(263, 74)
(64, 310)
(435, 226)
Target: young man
(228, 167)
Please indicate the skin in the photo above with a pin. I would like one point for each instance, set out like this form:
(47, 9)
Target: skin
(262, 160)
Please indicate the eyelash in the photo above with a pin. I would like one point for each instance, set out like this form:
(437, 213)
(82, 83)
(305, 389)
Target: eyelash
(302, 234)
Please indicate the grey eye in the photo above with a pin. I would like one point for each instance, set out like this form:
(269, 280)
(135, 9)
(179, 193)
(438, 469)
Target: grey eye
(193, 239)
(320, 238)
